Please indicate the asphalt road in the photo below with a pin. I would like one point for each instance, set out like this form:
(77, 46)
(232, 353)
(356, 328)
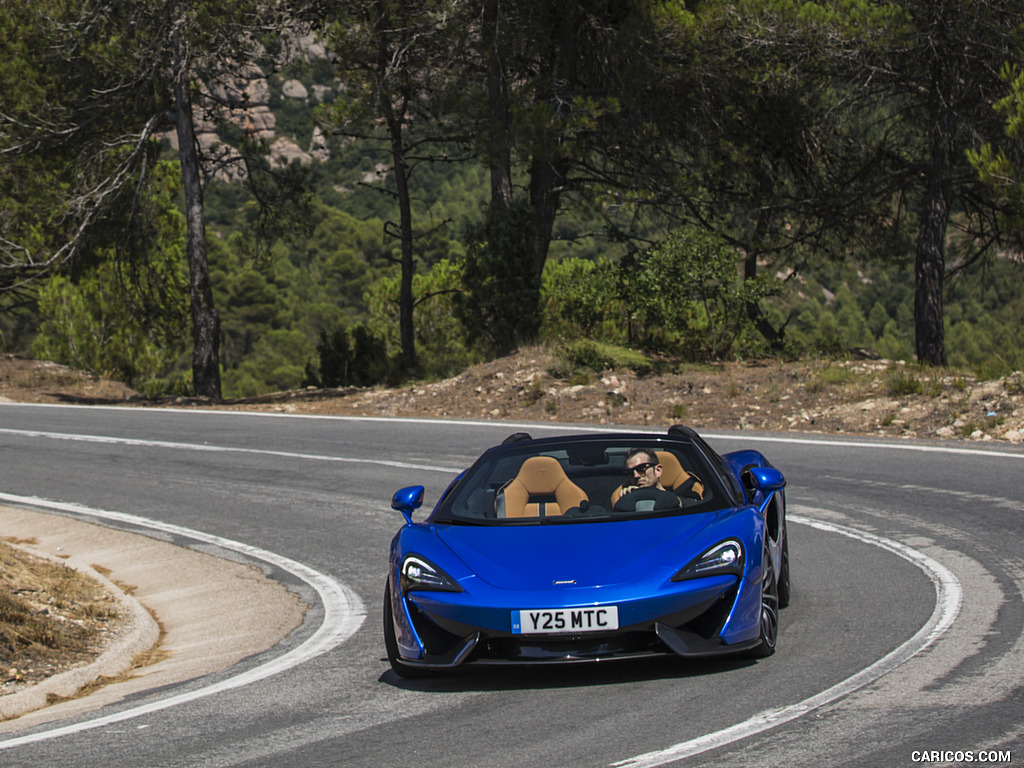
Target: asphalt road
(903, 644)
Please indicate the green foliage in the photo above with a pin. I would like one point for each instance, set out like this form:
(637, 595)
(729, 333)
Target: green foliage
(126, 317)
(1000, 165)
(580, 296)
(597, 356)
(370, 353)
(853, 330)
(686, 294)
(835, 308)
(684, 297)
(440, 336)
(327, 288)
(275, 363)
(87, 326)
(501, 303)
(900, 382)
(352, 357)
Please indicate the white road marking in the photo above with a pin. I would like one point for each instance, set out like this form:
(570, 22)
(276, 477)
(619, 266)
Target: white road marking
(917, 448)
(948, 598)
(949, 593)
(218, 449)
(867, 445)
(343, 615)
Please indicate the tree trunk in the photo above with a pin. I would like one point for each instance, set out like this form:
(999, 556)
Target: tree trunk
(406, 329)
(205, 322)
(548, 168)
(930, 259)
(499, 157)
(761, 323)
(929, 268)
(769, 332)
(546, 179)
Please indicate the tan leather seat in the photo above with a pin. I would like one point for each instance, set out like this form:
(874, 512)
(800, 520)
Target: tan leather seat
(541, 489)
(673, 476)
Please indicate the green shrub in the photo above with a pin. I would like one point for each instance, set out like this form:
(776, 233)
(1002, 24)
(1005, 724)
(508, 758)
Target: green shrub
(579, 298)
(830, 375)
(352, 357)
(500, 302)
(686, 294)
(899, 382)
(441, 338)
(598, 357)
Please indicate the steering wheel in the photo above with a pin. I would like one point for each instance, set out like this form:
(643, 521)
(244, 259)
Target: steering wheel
(647, 500)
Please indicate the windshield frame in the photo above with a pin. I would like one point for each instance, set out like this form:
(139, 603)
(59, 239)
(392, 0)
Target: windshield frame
(593, 463)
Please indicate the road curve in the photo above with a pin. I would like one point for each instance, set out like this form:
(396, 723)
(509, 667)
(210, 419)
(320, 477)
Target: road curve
(904, 639)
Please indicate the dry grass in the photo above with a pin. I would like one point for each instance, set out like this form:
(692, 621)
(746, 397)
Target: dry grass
(51, 616)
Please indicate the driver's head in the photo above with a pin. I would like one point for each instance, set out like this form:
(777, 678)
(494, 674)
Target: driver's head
(643, 468)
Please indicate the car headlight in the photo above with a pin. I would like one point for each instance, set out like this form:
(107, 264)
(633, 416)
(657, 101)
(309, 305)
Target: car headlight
(420, 573)
(724, 557)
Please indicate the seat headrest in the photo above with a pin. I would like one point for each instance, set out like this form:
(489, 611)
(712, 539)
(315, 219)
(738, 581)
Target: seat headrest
(672, 472)
(541, 474)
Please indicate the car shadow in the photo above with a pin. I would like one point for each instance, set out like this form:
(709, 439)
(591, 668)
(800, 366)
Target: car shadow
(580, 675)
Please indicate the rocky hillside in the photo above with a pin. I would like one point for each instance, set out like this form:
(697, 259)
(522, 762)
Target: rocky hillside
(870, 398)
(245, 101)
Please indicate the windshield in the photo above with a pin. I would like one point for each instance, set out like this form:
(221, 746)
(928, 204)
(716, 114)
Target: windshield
(565, 482)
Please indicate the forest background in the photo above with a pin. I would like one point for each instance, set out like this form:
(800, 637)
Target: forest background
(396, 190)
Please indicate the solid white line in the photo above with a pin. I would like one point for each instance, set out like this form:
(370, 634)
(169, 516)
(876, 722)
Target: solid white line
(948, 588)
(865, 444)
(948, 598)
(218, 449)
(562, 428)
(343, 615)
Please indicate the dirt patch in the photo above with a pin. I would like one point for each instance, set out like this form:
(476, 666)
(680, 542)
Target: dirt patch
(52, 617)
(852, 397)
(38, 381)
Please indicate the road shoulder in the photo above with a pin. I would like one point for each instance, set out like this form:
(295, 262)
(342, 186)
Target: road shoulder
(195, 613)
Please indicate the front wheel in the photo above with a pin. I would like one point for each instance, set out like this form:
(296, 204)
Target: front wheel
(769, 609)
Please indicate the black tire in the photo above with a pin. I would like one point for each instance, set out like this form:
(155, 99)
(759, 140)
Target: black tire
(391, 644)
(769, 609)
(784, 590)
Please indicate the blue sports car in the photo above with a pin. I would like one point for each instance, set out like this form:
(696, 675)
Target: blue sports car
(590, 547)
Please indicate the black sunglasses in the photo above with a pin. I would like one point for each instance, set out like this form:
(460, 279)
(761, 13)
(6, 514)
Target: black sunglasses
(640, 468)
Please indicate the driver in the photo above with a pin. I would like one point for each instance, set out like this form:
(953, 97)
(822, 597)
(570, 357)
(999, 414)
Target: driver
(645, 469)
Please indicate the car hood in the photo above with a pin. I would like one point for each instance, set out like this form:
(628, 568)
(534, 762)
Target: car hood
(578, 554)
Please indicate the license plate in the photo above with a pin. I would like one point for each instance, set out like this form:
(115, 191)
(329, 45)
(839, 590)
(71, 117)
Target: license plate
(561, 620)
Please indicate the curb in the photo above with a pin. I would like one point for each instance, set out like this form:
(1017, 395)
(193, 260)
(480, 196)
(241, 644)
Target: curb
(139, 632)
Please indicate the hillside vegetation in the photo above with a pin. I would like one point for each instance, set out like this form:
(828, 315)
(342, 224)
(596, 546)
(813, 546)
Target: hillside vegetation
(699, 188)
(537, 384)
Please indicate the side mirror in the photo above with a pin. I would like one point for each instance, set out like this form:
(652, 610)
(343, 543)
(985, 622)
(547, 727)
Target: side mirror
(767, 479)
(406, 500)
